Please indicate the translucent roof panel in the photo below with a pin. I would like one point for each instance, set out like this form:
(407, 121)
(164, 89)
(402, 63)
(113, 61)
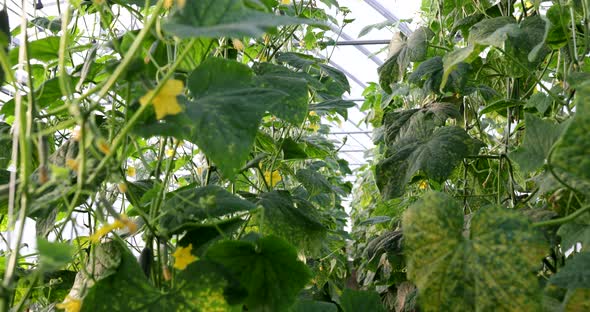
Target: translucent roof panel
(359, 57)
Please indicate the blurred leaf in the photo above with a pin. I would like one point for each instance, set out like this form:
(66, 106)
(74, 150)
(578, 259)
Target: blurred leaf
(360, 300)
(268, 268)
(202, 236)
(222, 18)
(577, 300)
(199, 287)
(540, 101)
(223, 117)
(313, 306)
(574, 232)
(478, 270)
(367, 29)
(53, 256)
(292, 220)
(570, 158)
(429, 75)
(375, 220)
(292, 106)
(314, 182)
(292, 149)
(412, 50)
(191, 205)
(338, 106)
(317, 68)
(575, 273)
(539, 137)
(44, 50)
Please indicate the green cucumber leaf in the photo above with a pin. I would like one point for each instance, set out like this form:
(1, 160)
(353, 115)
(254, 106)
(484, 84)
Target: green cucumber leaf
(268, 268)
(189, 205)
(539, 137)
(222, 18)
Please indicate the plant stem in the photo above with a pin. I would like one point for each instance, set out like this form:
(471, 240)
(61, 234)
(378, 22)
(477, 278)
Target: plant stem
(563, 220)
(21, 155)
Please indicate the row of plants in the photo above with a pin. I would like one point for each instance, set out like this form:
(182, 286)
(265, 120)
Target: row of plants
(477, 199)
(181, 165)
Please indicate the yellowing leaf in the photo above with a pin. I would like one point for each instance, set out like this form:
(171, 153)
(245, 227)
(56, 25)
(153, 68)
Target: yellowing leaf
(272, 178)
(165, 102)
(183, 257)
(285, 2)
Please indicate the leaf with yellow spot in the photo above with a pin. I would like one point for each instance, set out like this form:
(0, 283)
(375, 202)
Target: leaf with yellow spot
(489, 268)
(165, 102)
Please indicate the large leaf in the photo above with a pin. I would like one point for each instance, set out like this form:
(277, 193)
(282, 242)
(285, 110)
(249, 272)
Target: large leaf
(338, 106)
(400, 124)
(570, 157)
(317, 68)
(314, 182)
(575, 273)
(292, 220)
(435, 154)
(292, 107)
(313, 306)
(222, 18)
(488, 268)
(53, 256)
(429, 75)
(574, 232)
(361, 300)
(224, 116)
(202, 236)
(539, 137)
(44, 50)
(401, 54)
(267, 268)
(126, 289)
(190, 205)
(502, 32)
(493, 31)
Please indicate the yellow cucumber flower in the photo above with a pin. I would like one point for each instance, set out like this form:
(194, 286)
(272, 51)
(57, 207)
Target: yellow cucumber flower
(121, 223)
(183, 257)
(272, 178)
(165, 102)
(70, 304)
